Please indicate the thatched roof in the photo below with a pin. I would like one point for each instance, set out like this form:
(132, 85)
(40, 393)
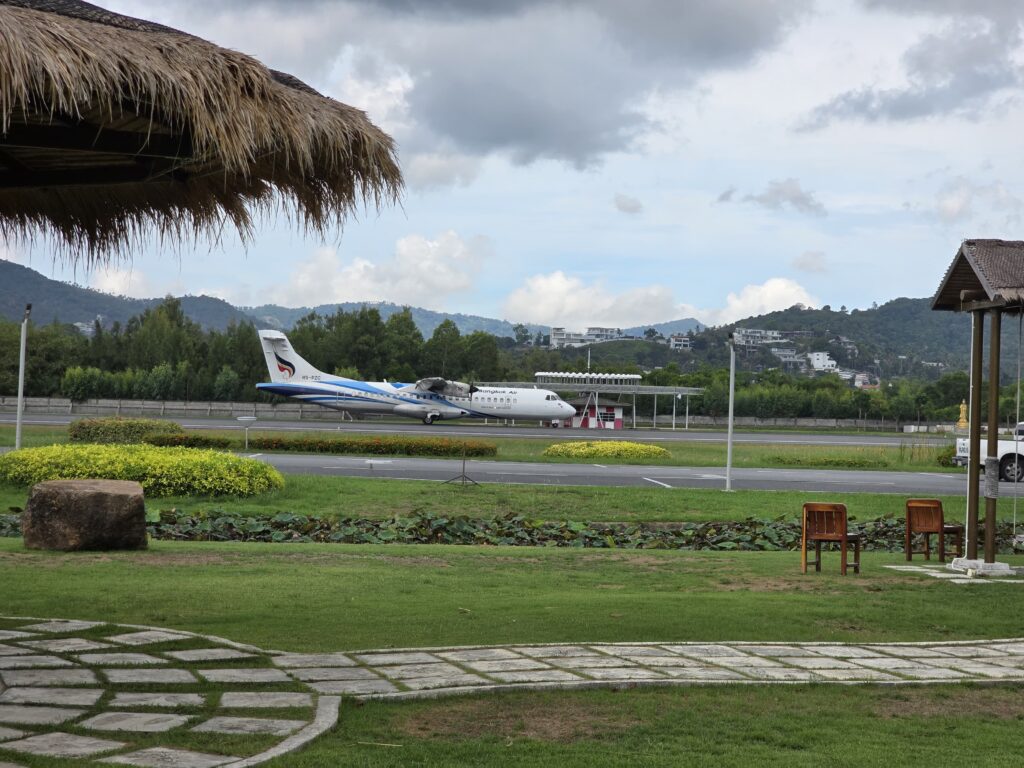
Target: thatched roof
(993, 268)
(112, 128)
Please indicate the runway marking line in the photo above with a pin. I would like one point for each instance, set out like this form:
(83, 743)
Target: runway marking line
(657, 482)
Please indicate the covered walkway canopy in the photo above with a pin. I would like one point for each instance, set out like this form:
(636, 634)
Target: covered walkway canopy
(113, 128)
(986, 277)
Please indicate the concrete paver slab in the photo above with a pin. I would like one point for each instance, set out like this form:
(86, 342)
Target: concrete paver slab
(6, 734)
(66, 645)
(63, 745)
(131, 675)
(411, 671)
(480, 654)
(264, 700)
(379, 659)
(590, 662)
(557, 651)
(149, 637)
(313, 660)
(820, 662)
(509, 665)
(450, 681)
(354, 687)
(779, 673)
(48, 677)
(861, 674)
(702, 673)
(333, 673)
(209, 654)
(120, 659)
(244, 675)
(249, 725)
(14, 634)
(164, 700)
(33, 661)
(537, 676)
(19, 714)
(135, 722)
(13, 650)
(705, 651)
(60, 626)
(621, 673)
(67, 697)
(161, 757)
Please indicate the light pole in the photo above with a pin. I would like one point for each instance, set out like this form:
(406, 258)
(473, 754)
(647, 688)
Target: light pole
(21, 377)
(247, 421)
(732, 397)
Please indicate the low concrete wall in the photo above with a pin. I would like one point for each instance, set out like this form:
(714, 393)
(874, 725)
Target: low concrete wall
(172, 409)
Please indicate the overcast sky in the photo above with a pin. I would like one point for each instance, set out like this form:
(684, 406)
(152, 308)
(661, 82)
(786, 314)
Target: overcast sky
(604, 162)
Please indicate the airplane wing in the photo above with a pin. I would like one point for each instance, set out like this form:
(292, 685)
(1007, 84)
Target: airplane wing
(441, 386)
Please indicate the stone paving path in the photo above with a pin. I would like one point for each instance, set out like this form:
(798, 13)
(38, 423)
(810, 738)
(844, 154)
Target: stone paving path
(89, 691)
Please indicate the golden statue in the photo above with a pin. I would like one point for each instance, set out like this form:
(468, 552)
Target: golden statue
(961, 423)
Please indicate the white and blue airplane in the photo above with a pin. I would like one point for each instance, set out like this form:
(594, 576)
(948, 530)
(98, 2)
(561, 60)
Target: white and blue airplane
(427, 399)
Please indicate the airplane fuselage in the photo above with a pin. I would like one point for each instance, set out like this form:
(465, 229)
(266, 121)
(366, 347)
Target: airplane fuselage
(382, 397)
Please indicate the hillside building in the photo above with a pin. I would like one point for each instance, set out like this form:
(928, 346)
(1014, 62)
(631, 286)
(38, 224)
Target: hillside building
(680, 341)
(821, 362)
(560, 337)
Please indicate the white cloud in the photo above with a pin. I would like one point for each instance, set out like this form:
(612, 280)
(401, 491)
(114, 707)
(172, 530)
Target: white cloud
(811, 261)
(122, 282)
(421, 272)
(788, 192)
(627, 204)
(773, 294)
(562, 300)
(8, 253)
(435, 169)
(958, 197)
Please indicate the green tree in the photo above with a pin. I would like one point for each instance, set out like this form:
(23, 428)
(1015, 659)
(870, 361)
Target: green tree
(226, 385)
(443, 351)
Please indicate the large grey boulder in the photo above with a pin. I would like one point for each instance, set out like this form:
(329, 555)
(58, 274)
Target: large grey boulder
(85, 514)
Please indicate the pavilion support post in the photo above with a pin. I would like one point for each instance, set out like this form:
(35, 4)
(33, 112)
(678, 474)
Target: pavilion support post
(974, 451)
(992, 457)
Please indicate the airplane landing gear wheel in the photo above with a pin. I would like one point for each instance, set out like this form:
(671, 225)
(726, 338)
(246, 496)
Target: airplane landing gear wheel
(428, 419)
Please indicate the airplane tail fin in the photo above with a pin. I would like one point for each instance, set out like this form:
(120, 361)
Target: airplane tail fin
(283, 362)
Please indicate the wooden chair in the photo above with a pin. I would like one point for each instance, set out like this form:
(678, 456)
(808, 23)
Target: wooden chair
(925, 516)
(827, 522)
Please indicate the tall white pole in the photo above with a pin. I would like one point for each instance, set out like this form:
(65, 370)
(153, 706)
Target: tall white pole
(732, 397)
(21, 377)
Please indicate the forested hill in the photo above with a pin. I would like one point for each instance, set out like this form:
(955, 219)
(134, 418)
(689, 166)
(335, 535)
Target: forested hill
(275, 316)
(53, 300)
(899, 327)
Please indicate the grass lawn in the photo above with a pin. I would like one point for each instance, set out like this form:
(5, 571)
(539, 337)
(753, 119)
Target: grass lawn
(311, 597)
(375, 499)
(324, 597)
(308, 597)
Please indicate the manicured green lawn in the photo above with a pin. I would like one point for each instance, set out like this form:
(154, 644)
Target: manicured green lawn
(307, 597)
(310, 597)
(370, 498)
(741, 726)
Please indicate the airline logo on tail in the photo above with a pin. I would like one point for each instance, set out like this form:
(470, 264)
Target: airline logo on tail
(284, 366)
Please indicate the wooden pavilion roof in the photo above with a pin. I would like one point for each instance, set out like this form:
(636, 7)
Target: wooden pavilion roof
(985, 274)
(113, 128)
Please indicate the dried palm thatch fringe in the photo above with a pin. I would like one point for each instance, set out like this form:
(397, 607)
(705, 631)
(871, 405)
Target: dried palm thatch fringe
(256, 141)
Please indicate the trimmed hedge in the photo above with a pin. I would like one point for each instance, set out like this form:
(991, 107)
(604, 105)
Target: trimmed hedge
(605, 449)
(189, 441)
(118, 430)
(162, 471)
(378, 446)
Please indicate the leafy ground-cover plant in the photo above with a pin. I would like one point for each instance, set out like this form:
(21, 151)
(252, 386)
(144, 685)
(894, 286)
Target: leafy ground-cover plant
(605, 449)
(119, 430)
(883, 534)
(387, 446)
(161, 471)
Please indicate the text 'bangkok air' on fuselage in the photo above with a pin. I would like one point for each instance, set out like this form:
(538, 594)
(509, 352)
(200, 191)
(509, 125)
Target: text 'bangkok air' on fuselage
(427, 399)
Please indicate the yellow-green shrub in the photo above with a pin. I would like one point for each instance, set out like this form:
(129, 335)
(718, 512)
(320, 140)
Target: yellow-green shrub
(605, 449)
(162, 471)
